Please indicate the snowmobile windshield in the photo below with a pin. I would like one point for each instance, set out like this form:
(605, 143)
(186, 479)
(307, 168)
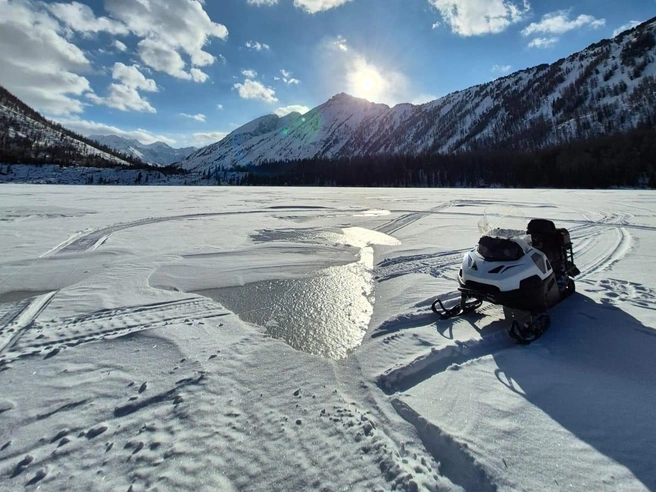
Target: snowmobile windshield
(501, 221)
(499, 249)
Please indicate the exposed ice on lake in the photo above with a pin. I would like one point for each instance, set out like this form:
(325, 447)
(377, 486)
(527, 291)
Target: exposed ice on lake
(325, 313)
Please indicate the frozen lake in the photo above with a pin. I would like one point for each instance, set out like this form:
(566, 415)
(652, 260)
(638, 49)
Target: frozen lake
(282, 339)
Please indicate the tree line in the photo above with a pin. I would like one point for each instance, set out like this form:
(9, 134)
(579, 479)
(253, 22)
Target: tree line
(619, 160)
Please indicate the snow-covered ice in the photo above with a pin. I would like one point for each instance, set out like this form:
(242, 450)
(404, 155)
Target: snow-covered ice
(282, 339)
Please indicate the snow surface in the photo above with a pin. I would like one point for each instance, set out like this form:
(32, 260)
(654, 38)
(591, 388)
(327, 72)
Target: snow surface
(147, 343)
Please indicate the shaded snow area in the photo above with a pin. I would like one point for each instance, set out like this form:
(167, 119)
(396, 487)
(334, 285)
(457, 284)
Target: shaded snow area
(278, 339)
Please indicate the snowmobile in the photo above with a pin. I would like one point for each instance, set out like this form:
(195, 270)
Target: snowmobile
(525, 272)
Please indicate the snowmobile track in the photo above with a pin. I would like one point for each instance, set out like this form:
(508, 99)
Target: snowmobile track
(91, 240)
(405, 220)
(438, 360)
(621, 245)
(49, 337)
(436, 265)
(456, 461)
(21, 321)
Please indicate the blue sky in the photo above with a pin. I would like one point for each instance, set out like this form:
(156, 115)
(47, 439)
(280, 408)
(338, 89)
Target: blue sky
(188, 72)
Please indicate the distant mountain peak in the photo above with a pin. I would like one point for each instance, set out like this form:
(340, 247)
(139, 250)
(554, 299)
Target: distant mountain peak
(156, 153)
(344, 98)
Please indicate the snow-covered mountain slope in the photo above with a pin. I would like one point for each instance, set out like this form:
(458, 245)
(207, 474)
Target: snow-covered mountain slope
(608, 87)
(26, 136)
(157, 153)
(245, 136)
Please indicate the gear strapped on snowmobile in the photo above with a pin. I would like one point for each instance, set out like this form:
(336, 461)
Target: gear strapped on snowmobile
(525, 272)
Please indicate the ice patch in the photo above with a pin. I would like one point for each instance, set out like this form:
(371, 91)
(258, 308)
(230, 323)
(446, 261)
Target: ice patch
(326, 313)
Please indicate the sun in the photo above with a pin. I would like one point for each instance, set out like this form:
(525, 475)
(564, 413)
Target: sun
(366, 81)
(367, 84)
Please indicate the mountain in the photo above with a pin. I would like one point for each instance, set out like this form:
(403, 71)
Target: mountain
(229, 148)
(157, 153)
(26, 136)
(606, 88)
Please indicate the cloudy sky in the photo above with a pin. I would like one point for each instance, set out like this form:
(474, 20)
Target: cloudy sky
(187, 71)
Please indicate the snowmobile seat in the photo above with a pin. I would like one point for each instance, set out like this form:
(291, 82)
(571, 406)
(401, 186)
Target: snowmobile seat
(541, 226)
(551, 241)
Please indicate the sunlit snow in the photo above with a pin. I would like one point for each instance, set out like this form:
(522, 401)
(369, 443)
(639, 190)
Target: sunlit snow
(282, 339)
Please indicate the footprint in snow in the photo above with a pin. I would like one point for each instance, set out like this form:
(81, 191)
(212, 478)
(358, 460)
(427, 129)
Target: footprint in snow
(40, 475)
(60, 434)
(96, 431)
(21, 465)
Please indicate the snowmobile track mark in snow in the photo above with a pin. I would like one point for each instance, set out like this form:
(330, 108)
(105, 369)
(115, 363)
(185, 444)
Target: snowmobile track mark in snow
(621, 246)
(405, 220)
(9, 312)
(439, 360)
(65, 244)
(23, 320)
(456, 461)
(93, 239)
(435, 265)
(113, 323)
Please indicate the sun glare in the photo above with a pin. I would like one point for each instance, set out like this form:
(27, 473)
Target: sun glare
(367, 82)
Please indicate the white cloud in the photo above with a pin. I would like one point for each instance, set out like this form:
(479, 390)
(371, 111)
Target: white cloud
(198, 75)
(310, 6)
(124, 95)
(168, 30)
(119, 45)
(132, 77)
(502, 69)
(624, 27)
(207, 138)
(162, 59)
(249, 74)
(435, 25)
(38, 64)
(219, 107)
(557, 23)
(314, 6)
(543, 42)
(292, 108)
(86, 127)
(287, 78)
(257, 46)
(340, 43)
(252, 89)
(479, 17)
(80, 18)
(198, 117)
